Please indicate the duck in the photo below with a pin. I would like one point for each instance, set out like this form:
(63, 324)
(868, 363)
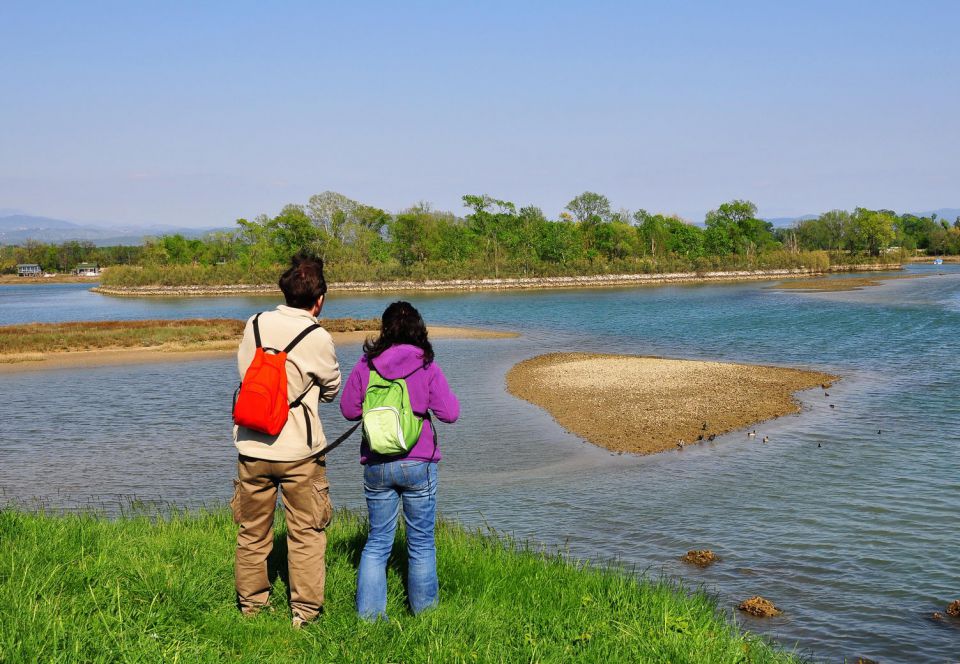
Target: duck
(681, 443)
(752, 434)
(832, 406)
(766, 439)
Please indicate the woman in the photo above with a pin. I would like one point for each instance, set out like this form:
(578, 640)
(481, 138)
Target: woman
(401, 351)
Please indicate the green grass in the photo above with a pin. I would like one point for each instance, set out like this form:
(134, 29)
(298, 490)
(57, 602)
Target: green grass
(140, 589)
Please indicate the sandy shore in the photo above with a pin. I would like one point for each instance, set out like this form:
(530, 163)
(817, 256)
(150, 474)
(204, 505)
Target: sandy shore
(930, 259)
(15, 363)
(822, 285)
(525, 283)
(644, 405)
(14, 280)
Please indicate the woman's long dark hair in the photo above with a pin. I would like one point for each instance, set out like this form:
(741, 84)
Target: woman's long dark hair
(401, 323)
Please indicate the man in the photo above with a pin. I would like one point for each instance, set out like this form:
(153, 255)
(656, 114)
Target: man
(288, 460)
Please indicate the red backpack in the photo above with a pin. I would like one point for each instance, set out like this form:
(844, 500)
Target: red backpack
(260, 402)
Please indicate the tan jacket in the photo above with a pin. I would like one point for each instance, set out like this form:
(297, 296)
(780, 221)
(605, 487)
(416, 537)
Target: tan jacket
(314, 358)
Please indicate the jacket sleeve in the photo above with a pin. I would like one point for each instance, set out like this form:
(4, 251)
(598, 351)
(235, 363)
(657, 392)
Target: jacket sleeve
(327, 371)
(351, 403)
(443, 402)
(247, 348)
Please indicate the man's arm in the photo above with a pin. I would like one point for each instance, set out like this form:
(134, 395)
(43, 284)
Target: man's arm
(326, 367)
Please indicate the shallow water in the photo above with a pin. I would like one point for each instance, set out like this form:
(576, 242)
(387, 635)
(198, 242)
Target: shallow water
(855, 540)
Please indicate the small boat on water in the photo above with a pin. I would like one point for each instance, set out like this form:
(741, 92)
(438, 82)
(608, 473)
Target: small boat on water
(938, 261)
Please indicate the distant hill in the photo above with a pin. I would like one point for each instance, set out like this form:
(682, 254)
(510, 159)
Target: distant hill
(18, 228)
(18, 222)
(943, 213)
(786, 222)
(950, 214)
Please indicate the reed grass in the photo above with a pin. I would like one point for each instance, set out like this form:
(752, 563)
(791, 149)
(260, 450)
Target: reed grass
(98, 335)
(147, 588)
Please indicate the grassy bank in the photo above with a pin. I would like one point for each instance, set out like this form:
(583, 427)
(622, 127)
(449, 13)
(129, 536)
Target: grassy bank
(83, 588)
(185, 334)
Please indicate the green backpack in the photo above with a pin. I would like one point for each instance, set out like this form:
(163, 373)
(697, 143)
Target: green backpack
(389, 424)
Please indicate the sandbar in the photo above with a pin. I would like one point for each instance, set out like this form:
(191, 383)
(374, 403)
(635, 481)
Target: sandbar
(20, 362)
(645, 405)
(823, 285)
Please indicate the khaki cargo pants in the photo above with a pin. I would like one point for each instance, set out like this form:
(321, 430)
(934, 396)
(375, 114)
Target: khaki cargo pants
(306, 501)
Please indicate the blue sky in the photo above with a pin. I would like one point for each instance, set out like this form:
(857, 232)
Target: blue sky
(198, 113)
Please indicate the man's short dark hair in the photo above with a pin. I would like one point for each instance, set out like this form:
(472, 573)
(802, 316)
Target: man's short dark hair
(303, 283)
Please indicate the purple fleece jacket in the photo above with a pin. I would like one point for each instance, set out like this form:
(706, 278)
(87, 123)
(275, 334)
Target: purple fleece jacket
(428, 391)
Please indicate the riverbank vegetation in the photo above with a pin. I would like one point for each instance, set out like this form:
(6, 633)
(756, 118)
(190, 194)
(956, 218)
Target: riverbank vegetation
(184, 334)
(496, 238)
(160, 589)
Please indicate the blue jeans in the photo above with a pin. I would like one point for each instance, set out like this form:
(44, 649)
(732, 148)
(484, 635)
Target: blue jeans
(386, 485)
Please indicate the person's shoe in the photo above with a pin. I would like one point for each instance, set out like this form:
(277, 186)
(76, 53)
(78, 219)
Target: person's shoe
(252, 611)
(299, 621)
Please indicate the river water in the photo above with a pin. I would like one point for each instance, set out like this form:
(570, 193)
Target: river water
(855, 539)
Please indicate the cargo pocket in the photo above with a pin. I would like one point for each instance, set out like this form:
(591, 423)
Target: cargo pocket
(322, 507)
(235, 503)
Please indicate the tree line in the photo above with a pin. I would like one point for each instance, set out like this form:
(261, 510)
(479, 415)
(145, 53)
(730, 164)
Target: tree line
(66, 256)
(496, 238)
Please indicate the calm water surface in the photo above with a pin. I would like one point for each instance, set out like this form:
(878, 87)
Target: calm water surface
(855, 539)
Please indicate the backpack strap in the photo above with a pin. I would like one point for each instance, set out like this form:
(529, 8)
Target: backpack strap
(339, 440)
(299, 400)
(297, 339)
(256, 331)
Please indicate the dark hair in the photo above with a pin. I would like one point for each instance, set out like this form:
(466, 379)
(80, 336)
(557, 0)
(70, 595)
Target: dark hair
(400, 324)
(303, 283)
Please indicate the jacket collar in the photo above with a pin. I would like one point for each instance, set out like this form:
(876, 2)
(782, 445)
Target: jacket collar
(295, 312)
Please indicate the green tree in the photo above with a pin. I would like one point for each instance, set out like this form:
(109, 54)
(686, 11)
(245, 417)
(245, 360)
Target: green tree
(873, 230)
(492, 220)
(735, 228)
(559, 242)
(590, 208)
(685, 239)
(330, 211)
(653, 231)
(294, 230)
